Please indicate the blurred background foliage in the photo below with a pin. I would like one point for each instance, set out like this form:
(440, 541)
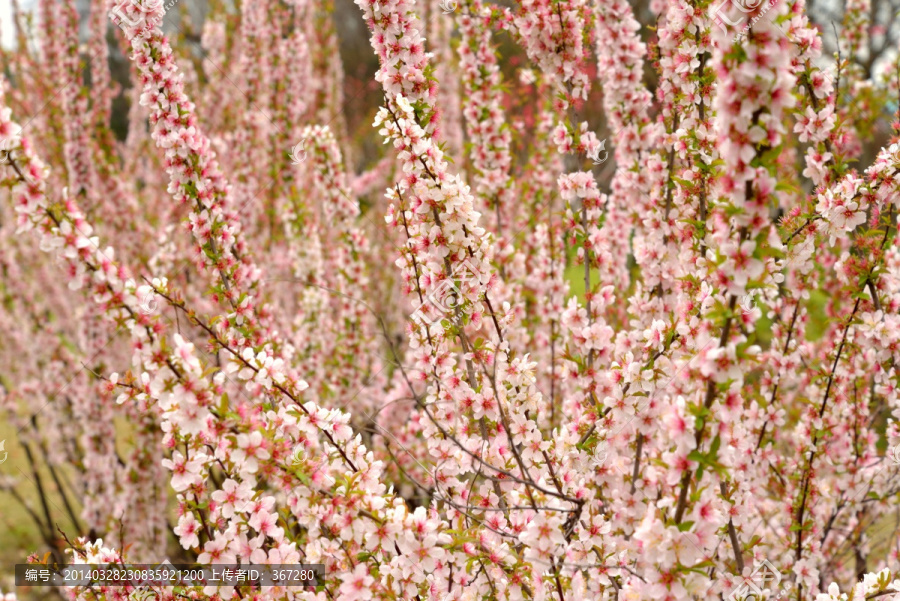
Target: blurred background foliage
(362, 97)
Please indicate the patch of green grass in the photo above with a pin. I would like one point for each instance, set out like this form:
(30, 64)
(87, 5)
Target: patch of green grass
(818, 320)
(574, 274)
(19, 534)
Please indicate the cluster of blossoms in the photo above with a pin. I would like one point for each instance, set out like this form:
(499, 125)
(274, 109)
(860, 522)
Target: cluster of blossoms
(492, 359)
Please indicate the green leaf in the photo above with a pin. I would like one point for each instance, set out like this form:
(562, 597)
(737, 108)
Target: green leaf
(684, 526)
(714, 449)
